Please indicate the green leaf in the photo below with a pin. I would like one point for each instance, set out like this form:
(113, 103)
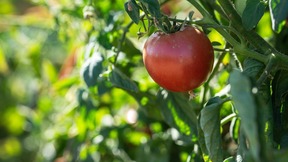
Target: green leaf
(210, 125)
(104, 39)
(252, 13)
(66, 83)
(244, 102)
(153, 7)
(201, 139)
(91, 69)
(178, 112)
(279, 12)
(103, 86)
(119, 79)
(253, 68)
(240, 5)
(132, 10)
(127, 47)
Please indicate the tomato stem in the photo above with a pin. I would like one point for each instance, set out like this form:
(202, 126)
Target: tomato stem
(269, 70)
(121, 41)
(250, 35)
(242, 41)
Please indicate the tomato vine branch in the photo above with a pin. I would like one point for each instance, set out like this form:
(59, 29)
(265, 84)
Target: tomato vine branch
(251, 36)
(254, 39)
(269, 70)
(122, 39)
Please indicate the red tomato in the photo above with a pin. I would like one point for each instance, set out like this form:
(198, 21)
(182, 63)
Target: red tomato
(179, 61)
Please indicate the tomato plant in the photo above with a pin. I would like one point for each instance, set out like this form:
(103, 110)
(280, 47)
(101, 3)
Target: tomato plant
(179, 61)
(74, 86)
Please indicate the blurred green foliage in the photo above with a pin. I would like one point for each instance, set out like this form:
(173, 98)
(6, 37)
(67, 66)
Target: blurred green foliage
(73, 87)
(51, 111)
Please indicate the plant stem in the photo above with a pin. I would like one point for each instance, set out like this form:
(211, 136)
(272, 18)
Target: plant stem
(282, 61)
(251, 36)
(228, 118)
(239, 48)
(121, 41)
(269, 70)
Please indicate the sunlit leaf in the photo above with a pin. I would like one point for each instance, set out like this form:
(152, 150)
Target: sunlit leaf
(262, 29)
(234, 128)
(3, 64)
(14, 120)
(10, 147)
(49, 71)
(65, 83)
(178, 112)
(279, 12)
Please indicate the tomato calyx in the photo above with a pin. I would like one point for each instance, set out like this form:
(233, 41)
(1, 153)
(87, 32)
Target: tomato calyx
(154, 16)
(165, 25)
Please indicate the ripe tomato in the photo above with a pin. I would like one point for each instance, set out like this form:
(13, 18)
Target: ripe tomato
(179, 61)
